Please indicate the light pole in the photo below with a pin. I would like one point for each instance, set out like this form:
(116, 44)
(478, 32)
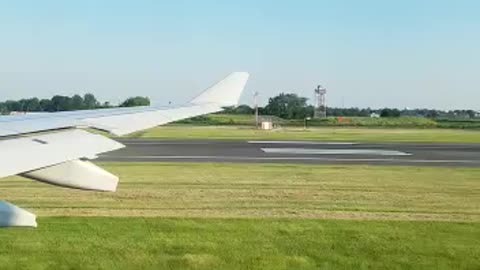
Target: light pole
(255, 103)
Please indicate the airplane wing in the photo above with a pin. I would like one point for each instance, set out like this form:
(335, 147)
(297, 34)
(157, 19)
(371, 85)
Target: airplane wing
(54, 147)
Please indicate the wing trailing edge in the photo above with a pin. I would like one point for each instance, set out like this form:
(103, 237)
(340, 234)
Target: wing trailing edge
(27, 154)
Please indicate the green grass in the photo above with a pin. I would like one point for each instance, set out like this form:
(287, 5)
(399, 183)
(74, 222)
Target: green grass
(321, 134)
(251, 216)
(394, 122)
(287, 191)
(220, 120)
(159, 243)
(242, 119)
(389, 122)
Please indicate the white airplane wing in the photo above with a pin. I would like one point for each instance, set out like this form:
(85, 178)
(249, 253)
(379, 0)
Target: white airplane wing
(53, 148)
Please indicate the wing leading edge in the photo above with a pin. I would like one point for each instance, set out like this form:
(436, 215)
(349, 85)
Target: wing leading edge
(119, 120)
(223, 94)
(60, 157)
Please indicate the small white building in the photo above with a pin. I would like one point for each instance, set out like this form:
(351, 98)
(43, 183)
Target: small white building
(374, 115)
(267, 125)
(17, 113)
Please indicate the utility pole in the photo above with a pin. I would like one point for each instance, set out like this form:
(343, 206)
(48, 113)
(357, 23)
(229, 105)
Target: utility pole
(255, 104)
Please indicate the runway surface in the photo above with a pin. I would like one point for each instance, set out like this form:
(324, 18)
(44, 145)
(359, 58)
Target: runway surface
(443, 155)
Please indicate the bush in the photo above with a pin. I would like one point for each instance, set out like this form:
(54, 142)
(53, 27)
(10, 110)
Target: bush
(459, 123)
(247, 120)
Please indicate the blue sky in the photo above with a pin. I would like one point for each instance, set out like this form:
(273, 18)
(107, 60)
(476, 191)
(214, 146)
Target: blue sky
(410, 53)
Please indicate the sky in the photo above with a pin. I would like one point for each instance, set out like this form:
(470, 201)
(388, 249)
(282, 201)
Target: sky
(369, 53)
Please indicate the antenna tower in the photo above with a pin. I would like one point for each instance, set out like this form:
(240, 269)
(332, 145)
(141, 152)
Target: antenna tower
(320, 102)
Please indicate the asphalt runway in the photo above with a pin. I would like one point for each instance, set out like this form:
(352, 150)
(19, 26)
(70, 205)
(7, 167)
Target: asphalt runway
(442, 155)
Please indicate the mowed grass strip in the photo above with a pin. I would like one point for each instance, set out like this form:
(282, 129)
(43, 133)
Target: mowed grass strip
(315, 134)
(264, 191)
(159, 243)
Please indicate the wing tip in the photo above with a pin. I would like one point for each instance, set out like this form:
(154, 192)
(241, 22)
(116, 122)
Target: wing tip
(226, 92)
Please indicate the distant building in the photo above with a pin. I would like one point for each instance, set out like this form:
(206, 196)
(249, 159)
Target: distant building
(267, 125)
(375, 115)
(23, 113)
(266, 122)
(17, 113)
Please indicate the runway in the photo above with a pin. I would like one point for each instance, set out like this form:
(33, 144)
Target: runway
(296, 152)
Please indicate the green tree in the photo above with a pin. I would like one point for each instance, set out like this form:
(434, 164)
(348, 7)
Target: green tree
(32, 105)
(3, 108)
(387, 112)
(61, 103)
(90, 102)
(136, 101)
(77, 102)
(288, 106)
(46, 105)
(471, 113)
(241, 109)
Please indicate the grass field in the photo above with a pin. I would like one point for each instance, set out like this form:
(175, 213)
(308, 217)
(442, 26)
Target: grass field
(166, 243)
(322, 134)
(387, 122)
(235, 216)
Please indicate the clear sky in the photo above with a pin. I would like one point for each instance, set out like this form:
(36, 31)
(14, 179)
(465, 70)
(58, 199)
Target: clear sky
(377, 53)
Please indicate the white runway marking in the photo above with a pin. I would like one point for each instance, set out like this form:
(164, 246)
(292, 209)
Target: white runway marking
(301, 142)
(387, 160)
(165, 143)
(304, 151)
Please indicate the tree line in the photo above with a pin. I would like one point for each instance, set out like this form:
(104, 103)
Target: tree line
(292, 106)
(66, 103)
(286, 106)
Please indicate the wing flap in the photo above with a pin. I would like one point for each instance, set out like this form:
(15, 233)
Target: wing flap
(26, 154)
(76, 174)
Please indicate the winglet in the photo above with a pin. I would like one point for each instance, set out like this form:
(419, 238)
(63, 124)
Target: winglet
(225, 93)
